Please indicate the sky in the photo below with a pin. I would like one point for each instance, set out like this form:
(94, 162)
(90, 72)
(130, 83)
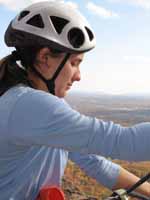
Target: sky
(120, 62)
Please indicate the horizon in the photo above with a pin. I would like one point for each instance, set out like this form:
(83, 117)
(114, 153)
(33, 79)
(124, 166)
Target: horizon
(120, 63)
(102, 93)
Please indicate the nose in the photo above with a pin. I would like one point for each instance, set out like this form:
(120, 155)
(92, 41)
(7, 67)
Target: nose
(77, 75)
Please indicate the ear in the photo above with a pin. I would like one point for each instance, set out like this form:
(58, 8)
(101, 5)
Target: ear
(43, 55)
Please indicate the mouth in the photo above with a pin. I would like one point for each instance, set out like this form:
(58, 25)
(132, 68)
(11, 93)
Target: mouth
(69, 86)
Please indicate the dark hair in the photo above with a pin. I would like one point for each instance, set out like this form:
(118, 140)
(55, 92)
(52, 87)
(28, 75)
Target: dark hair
(11, 74)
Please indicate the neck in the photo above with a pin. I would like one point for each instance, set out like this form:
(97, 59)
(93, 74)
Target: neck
(37, 82)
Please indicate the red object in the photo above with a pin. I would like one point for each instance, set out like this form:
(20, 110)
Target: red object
(51, 193)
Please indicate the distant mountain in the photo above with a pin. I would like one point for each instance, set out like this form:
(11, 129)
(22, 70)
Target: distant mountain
(126, 109)
(103, 95)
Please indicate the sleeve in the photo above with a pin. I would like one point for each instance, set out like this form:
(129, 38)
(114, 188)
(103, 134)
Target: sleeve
(97, 167)
(42, 119)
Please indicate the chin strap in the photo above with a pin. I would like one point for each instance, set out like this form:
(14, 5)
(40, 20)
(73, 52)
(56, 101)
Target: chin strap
(51, 82)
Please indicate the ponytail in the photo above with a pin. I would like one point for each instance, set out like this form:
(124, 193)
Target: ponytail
(11, 73)
(2, 67)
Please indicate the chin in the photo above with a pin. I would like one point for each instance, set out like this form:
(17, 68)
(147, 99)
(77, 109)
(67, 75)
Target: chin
(61, 94)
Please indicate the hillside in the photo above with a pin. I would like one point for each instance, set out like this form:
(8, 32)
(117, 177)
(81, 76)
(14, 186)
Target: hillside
(126, 110)
(78, 186)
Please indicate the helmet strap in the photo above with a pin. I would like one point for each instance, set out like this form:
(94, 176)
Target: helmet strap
(51, 82)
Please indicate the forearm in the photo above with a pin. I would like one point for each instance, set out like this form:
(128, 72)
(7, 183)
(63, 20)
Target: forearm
(126, 180)
(97, 167)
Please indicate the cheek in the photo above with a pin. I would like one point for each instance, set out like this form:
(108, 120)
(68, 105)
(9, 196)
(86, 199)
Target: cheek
(64, 77)
(67, 73)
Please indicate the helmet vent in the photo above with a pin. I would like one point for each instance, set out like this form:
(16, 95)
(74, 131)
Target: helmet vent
(90, 34)
(36, 21)
(76, 37)
(59, 23)
(23, 14)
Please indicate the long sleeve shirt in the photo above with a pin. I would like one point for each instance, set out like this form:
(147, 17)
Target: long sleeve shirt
(38, 132)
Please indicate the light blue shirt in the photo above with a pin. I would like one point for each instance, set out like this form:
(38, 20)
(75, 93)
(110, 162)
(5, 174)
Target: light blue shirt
(37, 130)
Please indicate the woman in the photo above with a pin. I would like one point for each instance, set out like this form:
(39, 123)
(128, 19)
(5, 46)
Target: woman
(38, 129)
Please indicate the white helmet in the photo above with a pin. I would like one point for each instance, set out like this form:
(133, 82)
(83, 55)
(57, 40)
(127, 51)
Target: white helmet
(54, 24)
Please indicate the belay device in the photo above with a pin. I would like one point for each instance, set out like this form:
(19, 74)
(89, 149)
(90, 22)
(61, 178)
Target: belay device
(123, 194)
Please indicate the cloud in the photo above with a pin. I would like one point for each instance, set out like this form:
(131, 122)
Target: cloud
(137, 59)
(101, 11)
(12, 4)
(72, 4)
(141, 3)
(17, 4)
(20, 4)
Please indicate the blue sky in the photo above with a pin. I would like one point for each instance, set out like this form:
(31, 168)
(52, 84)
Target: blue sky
(120, 63)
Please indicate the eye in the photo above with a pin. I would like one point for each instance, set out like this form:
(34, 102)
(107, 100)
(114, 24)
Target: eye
(75, 63)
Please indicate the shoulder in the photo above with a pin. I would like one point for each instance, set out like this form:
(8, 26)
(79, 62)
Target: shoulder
(36, 110)
(29, 99)
(26, 93)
